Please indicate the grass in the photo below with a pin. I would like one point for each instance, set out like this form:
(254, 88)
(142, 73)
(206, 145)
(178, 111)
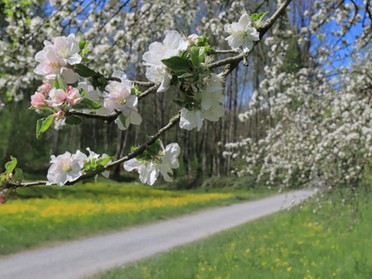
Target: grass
(319, 240)
(40, 216)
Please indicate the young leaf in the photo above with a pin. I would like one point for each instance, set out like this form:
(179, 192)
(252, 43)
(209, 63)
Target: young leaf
(84, 71)
(257, 17)
(87, 104)
(43, 124)
(178, 64)
(195, 56)
(73, 120)
(18, 175)
(59, 84)
(10, 166)
(82, 44)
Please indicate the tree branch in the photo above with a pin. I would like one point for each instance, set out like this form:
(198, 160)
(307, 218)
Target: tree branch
(174, 120)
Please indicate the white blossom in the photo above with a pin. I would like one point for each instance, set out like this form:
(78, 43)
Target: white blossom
(243, 34)
(156, 71)
(164, 163)
(65, 168)
(120, 98)
(55, 58)
(211, 107)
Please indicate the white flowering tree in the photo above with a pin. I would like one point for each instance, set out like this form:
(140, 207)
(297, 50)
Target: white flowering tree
(320, 114)
(74, 89)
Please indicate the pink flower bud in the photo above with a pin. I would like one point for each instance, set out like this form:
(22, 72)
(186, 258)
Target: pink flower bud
(2, 199)
(37, 100)
(59, 115)
(45, 88)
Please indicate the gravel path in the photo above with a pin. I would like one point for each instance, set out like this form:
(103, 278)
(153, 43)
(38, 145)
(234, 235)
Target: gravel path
(79, 259)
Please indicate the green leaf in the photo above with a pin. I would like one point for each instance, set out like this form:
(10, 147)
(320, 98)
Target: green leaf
(257, 17)
(10, 166)
(43, 124)
(84, 71)
(195, 57)
(82, 44)
(59, 84)
(178, 64)
(18, 175)
(87, 104)
(103, 161)
(73, 120)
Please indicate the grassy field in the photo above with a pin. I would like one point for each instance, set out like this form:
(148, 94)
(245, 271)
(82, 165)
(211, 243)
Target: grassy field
(40, 216)
(318, 240)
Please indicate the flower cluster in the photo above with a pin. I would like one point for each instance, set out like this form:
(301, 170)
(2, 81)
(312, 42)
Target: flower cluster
(156, 159)
(47, 96)
(209, 107)
(68, 167)
(156, 71)
(121, 97)
(56, 59)
(184, 63)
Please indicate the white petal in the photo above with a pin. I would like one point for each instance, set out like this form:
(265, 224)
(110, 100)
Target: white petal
(165, 84)
(148, 173)
(69, 76)
(245, 20)
(134, 117)
(190, 119)
(74, 59)
(132, 164)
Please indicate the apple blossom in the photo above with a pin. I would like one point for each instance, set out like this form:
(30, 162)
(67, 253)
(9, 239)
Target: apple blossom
(156, 71)
(38, 100)
(73, 96)
(121, 99)
(211, 107)
(65, 168)
(243, 34)
(67, 48)
(54, 59)
(56, 97)
(45, 88)
(164, 162)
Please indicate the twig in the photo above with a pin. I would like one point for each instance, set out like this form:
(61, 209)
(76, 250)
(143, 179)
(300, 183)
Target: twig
(174, 120)
(108, 118)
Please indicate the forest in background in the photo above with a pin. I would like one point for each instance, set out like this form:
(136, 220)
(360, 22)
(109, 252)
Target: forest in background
(118, 27)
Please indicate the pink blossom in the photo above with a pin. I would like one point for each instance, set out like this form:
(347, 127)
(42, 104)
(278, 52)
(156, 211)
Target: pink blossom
(55, 59)
(73, 96)
(38, 100)
(57, 96)
(45, 88)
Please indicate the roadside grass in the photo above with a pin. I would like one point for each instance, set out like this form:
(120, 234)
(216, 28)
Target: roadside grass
(45, 215)
(326, 238)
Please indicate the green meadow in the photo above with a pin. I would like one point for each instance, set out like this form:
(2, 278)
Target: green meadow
(324, 238)
(40, 216)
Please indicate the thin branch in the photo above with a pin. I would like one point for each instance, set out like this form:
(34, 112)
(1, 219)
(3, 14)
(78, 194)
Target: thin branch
(108, 118)
(234, 61)
(174, 120)
(269, 23)
(148, 92)
(225, 51)
(143, 83)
